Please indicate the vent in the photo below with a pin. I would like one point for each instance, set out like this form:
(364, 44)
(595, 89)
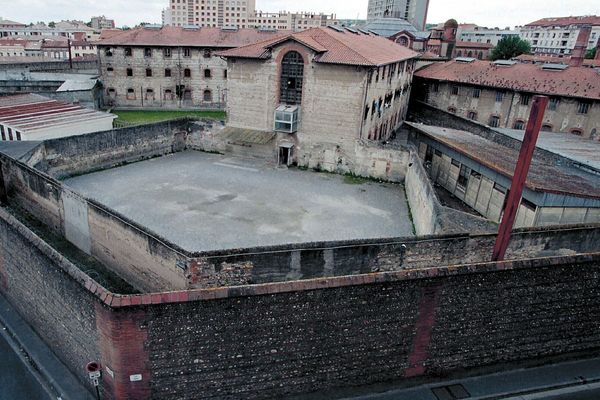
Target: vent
(191, 27)
(229, 29)
(363, 31)
(554, 67)
(265, 29)
(352, 30)
(452, 392)
(504, 63)
(465, 59)
(336, 28)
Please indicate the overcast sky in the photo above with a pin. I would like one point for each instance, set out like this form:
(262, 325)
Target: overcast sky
(130, 12)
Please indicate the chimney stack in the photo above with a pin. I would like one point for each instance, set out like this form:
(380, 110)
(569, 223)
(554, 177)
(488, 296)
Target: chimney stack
(581, 46)
(598, 50)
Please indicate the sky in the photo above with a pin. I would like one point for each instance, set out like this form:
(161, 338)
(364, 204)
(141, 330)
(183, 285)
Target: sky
(489, 13)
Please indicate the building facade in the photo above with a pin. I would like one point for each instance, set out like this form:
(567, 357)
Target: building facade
(102, 22)
(479, 34)
(559, 35)
(321, 90)
(499, 93)
(169, 67)
(414, 11)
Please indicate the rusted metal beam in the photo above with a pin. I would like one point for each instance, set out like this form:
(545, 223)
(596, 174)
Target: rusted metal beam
(520, 176)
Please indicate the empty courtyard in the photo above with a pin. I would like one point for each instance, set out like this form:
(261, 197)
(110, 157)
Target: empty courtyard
(204, 202)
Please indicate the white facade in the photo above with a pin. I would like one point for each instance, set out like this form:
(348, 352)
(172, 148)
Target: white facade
(414, 11)
(211, 13)
(485, 35)
(556, 39)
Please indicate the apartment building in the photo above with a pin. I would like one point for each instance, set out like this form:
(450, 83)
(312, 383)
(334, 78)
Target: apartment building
(414, 11)
(102, 22)
(480, 34)
(210, 13)
(559, 35)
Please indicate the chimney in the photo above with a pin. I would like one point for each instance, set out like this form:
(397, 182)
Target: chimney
(598, 50)
(581, 46)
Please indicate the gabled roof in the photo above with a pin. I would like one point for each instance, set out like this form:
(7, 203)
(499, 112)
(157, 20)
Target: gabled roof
(388, 27)
(333, 46)
(6, 22)
(566, 21)
(179, 36)
(578, 82)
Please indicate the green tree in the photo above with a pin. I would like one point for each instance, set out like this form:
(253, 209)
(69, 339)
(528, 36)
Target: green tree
(590, 54)
(52, 24)
(510, 47)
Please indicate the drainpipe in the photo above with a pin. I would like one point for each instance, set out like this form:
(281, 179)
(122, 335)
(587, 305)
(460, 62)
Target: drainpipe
(362, 115)
(512, 101)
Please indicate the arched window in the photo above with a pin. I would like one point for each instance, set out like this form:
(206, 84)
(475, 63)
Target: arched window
(470, 54)
(519, 124)
(168, 94)
(292, 73)
(452, 110)
(207, 96)
(577, 131)
(130, 94)
(480, 55)
(403, 41)
(187, 73)
(494, 121)
(149, 94)
(594, 134)
(187, 94)
(111, 92)
(207, 73)
(472, 115)
(459, 53)
(547, 128)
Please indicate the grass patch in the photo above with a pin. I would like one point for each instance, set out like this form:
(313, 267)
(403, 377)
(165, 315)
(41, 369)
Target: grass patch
(355, 180)
(145, 117)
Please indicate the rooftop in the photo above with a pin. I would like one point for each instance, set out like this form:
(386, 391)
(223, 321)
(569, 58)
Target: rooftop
(566, 21)
(543, 176)
(31, 113)
(578, 82)
(390, 26)
(538, 58)
(333, 46)
(179, 36)
(204, 202)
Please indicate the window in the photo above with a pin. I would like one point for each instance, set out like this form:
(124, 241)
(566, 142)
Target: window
(525, 99)
(547, 128)
(499, 96)
(583, 107)
(500, 188)
(167, 72)
(187, 73)
(111, 92)
(577, 131)
(292, 76)
(519, 124)
(476, 93)
(528, 204)
(494, 121)
(452, 110)
(187, 52)
(224, 74)
(207, 73)
(463, 178)
(168, 94)
(472, 115)
(455, 90)
(207, 53)
(129, 72)
(366, 112)
(130, 94)
(108, 52)
(128, 52)
(553, 103)
(435, 87)
(207, 96)
(149, 94)
(148, 72)
(187, 94)
(2, 132)
(167, 52)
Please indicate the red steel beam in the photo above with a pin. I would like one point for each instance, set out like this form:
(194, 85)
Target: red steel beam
(520, 176)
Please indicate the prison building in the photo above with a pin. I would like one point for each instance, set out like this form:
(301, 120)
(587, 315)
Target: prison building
(34, 117)
(170, 67)
(320, 91)
(499, 93)
(559, 189)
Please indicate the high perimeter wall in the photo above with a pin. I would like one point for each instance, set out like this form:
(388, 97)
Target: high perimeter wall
(282, 339)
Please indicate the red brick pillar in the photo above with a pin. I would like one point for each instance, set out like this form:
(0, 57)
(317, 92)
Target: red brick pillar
(125, 369)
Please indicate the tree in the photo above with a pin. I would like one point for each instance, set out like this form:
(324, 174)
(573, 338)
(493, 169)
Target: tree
(510, 47)
(52, 24)
(590, 54)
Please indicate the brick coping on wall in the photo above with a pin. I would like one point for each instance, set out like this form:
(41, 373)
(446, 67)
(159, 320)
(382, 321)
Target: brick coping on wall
(115, 301)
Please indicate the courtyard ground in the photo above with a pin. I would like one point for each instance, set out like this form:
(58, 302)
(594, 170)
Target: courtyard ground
(204, 202)
(129, 118)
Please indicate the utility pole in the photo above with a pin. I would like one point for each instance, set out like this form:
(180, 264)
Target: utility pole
(520, 176)
(70, 55)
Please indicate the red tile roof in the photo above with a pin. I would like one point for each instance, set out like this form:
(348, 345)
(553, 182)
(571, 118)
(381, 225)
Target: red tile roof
(474, 45)
(572, 82)
(554, 59)
(178, 36)
(566, 21)
(334, 47)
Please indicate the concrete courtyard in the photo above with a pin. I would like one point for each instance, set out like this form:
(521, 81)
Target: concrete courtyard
(206, 202)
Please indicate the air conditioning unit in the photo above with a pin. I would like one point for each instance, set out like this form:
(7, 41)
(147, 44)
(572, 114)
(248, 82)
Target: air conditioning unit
(286, 119)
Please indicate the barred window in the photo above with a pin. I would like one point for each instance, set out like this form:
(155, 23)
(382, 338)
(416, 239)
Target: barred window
(292, 74)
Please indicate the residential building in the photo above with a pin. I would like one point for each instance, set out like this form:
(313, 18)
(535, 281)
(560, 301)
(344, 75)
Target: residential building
(211, 13)
(414, 11)
(292, 21)
(559, 35)
(34, 117)
(68, 29)
(102, 22)
(170, 67)
(167, 16)
(499, 93)
(479, 34)
(321, 90)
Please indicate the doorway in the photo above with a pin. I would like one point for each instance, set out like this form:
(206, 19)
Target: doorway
(285, 154)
